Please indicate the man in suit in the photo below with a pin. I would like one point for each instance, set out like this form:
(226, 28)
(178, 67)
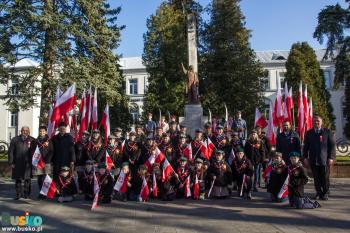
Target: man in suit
(287, 142)
(319, 154)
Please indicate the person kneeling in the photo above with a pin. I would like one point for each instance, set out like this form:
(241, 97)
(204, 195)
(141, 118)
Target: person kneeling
(242, 170)
(297, 180)
(105, 181)
(66, 187)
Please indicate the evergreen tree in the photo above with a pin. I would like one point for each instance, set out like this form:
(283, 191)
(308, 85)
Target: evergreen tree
(333, 23)
(74, 42)
(230, 72)
(165, 47)
(302, 65)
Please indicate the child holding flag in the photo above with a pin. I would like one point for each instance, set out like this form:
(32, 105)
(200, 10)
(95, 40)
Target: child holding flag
(297, 179)
(276, 177)
(105, 182)
(242, 170)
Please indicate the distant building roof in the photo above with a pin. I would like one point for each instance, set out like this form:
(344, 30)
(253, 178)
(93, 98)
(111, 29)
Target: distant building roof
(131, 63)
(24, 63)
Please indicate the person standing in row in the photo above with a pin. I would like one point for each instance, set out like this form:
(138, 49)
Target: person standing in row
(20, 159)
(319, 154)
(288, 141)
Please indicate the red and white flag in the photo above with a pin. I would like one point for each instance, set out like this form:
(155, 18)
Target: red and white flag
(94, 121)
(311, 115)
(121, 147)
(231, 157)
(207, 148)
(187, 187)
(49, 187)
(95, 201)
(96, 193)
(188, 152)
(88, 104)
(109, 161)
(167, 170)
(105, 124)
(284, 190)
(259, 119)
(144, 190)
(120, 185)
(196, 189)
(154, 186)
(267, 171)
(64, 104)
(301, 112)
(51, 129)
(288, 103)
(158, 157)
(270, 128)
(278, 108)
(83, 119)
(244, 181)
(37, 160)
(306, 109)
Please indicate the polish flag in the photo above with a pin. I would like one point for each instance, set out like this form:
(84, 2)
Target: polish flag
(301, 112)
(167, 170)
(270, 128)
(121, 147)
(49, 187)
(74, 128)
(284, 190)
(94, 111)
(187, 187)
(83, 120)
(207, 148)
(109, 161)
(144, 190)
(259, 119)
(154, 186)
(64, 104)
(95, 201)
(267, 171)
(88, 107)
(288, 99)
(196, 189)
(311, 115)
(157, 158)
(306, 108)
(105, 124)
(120, 185)
(150, 161)
(96, 185)
(37, 160)
(278, 110)
(188, 152)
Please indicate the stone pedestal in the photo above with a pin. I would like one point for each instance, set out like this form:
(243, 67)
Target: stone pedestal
(193, 117)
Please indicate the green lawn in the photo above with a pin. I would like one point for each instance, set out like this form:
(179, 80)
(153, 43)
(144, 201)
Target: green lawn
(343, 158)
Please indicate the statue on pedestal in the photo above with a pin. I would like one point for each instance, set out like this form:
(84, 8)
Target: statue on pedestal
(191, 85)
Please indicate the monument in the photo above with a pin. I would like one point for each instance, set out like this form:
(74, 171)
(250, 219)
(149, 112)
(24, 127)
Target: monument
(193, 108)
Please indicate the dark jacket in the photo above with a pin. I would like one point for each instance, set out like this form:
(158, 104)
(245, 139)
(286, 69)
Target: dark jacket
(297, 180)
(19, 154)
(44, 150)
(287, 143)
(319, 147)
(81, 153)
(254, 151)
(223, 177)
(66, 186)
(63, 153)
(277, 178)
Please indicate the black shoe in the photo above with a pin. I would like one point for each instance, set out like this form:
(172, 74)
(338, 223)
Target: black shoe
(317, 197)
(249, 196)
(317, 204)
(324, 197)
(16, 198)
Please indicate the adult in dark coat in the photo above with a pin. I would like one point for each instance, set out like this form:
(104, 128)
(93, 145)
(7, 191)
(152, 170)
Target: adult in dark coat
(20, 159)
(62, 148)
(288, 141)
(319, 154)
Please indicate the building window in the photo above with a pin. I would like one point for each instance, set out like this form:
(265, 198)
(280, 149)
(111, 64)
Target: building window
(13, 119)
(265, 83)
(133, 86)
(327, 79)
(134, 111)
(14, 87)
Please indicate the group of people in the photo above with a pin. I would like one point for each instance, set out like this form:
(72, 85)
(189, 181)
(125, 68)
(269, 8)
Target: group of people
(237, 165)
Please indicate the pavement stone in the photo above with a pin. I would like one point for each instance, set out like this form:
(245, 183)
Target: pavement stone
(184, 216)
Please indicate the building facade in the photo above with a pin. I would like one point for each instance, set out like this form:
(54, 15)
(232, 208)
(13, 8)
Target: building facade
(273, 62)
(136, 79)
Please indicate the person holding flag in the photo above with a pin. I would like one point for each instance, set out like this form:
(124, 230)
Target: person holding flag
(86, 180)
(295, 182)
(66, 187)
(96, 150)
(220, 176)
(42, 143)
(277, 176)
(137, 183)
(182, 173)
(105, 182)
(198, 176)
(242, 171)
(114, 152)
(167, 148)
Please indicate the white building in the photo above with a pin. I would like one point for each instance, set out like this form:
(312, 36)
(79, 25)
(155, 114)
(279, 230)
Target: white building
(136, 79)
(272, 61)
(12, 121)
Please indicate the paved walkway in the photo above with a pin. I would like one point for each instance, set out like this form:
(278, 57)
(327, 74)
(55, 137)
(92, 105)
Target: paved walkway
(231, 215)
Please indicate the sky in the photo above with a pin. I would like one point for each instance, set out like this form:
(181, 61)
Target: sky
(274, 24)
